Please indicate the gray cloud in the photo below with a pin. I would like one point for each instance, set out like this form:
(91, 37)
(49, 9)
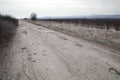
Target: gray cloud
(23, 8)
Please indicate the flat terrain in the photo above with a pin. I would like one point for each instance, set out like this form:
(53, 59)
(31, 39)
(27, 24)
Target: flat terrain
(38, 53)
(90, 32)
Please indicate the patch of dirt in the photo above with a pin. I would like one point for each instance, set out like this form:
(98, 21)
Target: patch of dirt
(41, 28)
(25, 32)
(34, 53)
(23, 48)
(44, 54)
(34, 60)
(44, 50)
(63, 38)
(79, 45)
(29, 58)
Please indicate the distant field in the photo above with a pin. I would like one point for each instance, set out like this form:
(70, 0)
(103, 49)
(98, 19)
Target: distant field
(103, 31)
(97, 23)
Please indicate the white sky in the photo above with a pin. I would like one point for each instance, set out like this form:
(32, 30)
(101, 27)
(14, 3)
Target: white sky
(23, 8)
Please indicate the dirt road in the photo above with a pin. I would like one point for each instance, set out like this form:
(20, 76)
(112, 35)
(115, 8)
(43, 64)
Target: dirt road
(37, 53)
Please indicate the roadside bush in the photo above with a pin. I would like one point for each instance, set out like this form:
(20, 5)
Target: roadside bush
(8, 27)
(96, 23)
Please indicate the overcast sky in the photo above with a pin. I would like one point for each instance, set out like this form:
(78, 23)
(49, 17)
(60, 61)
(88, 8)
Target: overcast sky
(23, 8)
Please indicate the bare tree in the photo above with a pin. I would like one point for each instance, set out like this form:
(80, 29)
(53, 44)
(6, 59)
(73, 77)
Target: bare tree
(33, 16)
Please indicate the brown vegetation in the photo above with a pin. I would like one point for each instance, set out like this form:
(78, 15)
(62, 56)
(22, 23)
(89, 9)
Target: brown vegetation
(8, 26)
(97, 23)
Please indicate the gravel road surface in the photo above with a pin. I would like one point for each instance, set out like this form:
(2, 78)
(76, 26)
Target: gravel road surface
(38, 53)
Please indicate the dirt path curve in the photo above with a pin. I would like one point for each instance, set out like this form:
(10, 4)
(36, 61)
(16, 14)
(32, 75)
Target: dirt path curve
(38, 53)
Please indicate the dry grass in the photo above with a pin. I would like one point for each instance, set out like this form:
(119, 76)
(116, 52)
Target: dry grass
(8, 27)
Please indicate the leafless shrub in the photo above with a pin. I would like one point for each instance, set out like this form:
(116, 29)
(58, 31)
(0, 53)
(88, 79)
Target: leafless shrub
(8, 26)
(96, 23)
(33, 16)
